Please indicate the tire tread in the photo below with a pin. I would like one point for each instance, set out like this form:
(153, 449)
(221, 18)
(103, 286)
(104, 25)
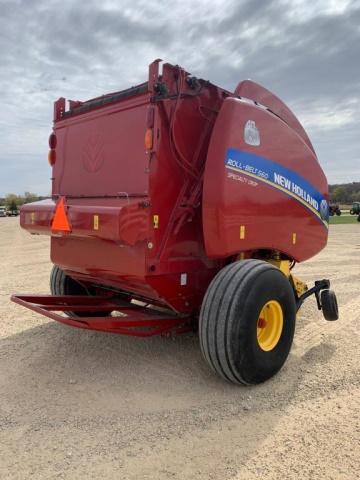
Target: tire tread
(219, 303)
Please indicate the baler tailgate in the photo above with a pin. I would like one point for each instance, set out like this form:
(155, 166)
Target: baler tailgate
(132, 319)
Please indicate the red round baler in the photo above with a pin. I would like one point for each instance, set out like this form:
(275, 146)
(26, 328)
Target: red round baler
(177, 205)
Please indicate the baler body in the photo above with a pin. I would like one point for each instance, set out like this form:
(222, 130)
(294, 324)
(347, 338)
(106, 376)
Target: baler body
(220, 176)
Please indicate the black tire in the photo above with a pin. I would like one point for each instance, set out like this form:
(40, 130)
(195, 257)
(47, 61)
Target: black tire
(329, 305)
(358, 218)
(62, 284)
(229, 319)
(352, 212)
(338, 213)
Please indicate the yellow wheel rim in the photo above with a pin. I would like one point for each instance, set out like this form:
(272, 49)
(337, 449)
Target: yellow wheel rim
(270, 325)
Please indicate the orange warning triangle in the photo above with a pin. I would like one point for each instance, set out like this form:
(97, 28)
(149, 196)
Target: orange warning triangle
(60, 221)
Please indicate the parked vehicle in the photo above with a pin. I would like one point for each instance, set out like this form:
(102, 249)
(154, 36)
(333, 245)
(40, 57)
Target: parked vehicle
(334, 209)
(184, 206)
(2, 211)
(12, 212)
(355, 209)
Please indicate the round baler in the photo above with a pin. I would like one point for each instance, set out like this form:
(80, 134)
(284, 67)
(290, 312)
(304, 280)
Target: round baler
(178, 205)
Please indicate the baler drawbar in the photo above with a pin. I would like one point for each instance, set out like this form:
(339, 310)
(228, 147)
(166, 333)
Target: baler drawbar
(180, 206)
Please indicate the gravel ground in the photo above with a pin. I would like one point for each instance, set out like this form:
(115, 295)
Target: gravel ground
(86, 405)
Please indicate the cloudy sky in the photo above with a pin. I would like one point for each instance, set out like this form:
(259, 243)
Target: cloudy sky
(307, 52)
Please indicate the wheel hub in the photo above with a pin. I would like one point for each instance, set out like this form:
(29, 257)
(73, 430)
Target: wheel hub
(270, 325)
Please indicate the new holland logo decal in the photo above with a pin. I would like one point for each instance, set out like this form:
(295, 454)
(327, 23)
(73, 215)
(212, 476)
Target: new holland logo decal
(93, 152)
(279, 177)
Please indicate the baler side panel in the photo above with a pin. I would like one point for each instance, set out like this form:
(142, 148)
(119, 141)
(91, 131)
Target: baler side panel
(107, 242)
(249, 203)
(102, 172)
(101, 153)
(103, 262)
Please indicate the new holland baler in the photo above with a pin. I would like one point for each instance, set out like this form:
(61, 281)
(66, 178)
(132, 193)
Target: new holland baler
(177, 205)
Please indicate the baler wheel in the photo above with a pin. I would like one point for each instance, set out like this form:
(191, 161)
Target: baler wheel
(247, 321)
(62, 284)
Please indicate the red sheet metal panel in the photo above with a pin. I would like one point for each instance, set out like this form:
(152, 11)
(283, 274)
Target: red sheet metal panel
(123, 221)
(263, 186)
(259, 94)
(102, 152)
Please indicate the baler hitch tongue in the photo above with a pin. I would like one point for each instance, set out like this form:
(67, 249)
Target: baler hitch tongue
(325, 299)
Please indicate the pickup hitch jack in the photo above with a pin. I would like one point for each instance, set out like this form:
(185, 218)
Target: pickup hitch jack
(325, 299)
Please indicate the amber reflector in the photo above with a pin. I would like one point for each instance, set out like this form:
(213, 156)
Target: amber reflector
(149, 139)
(52, 157)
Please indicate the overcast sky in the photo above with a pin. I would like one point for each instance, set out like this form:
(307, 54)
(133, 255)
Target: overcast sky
(307, 52)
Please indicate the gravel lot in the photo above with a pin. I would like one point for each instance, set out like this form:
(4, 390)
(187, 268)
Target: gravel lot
(86, 405)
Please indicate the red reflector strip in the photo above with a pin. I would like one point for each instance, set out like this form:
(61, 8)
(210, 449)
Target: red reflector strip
(52, 141)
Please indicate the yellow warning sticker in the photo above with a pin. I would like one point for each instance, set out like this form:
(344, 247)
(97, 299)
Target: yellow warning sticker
(96, 222)
(242, 232)
(156, 221)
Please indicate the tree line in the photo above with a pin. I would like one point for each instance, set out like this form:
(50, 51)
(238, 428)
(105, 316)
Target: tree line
(345, 193)
(13, 201)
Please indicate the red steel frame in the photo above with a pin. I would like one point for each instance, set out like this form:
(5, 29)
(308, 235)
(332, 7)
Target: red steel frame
(135, 320)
